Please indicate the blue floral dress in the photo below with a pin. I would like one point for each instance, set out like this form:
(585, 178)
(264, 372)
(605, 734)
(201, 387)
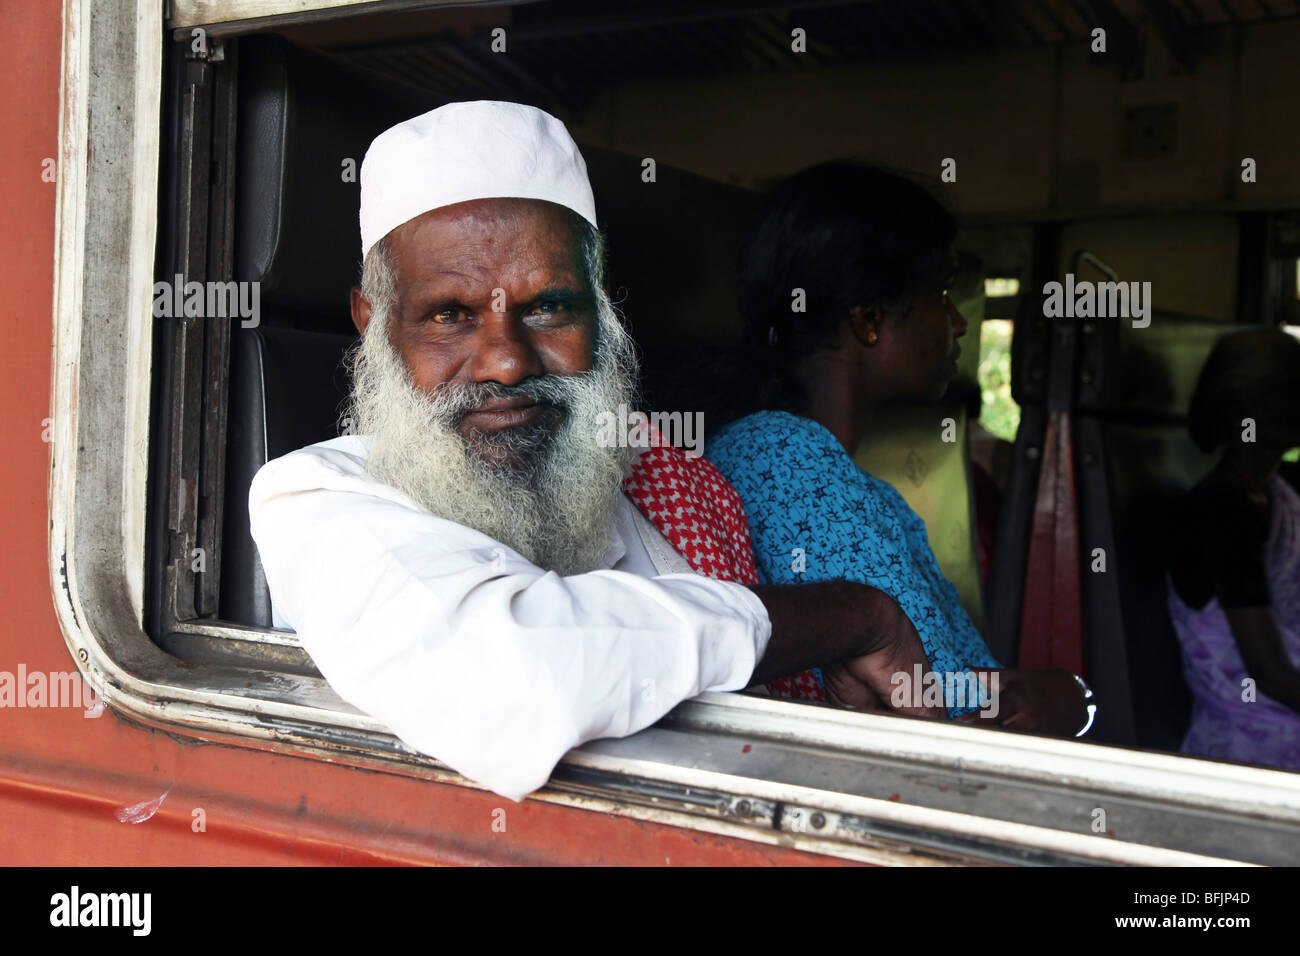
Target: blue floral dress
(814, 515)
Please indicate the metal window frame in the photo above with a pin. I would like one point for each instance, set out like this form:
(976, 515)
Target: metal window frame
(230, 17)
(792, 775)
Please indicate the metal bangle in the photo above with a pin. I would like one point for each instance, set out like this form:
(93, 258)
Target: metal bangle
(1092, 708)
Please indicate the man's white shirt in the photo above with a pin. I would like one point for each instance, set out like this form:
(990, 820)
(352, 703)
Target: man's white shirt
(469, 652)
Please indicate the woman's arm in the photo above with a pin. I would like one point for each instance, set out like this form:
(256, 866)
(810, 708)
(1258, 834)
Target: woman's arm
(1256, 633)
(1234, 549)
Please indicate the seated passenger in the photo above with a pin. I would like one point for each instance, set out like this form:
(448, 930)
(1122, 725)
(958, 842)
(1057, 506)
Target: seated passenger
(867, 257)
(1234, 559)
(468, 569)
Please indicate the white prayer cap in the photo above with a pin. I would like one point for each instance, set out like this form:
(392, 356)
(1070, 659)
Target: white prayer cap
(478, 150)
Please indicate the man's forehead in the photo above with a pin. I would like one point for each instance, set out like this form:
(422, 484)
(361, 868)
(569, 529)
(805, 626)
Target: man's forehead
(528, 238)
(493, 221)
(470, 286)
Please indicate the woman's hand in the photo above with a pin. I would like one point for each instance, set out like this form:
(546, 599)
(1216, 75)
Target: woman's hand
(1034, 701)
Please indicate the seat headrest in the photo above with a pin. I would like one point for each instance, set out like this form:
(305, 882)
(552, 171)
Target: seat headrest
(1133, 373)
(302, 116)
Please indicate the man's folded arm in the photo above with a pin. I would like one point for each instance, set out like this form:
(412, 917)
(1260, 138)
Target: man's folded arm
(470, 653)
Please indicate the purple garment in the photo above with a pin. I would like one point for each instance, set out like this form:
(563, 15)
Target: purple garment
(1224, 726)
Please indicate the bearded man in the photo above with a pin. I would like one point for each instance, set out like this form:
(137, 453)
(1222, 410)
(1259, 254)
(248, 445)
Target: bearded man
(468, 568)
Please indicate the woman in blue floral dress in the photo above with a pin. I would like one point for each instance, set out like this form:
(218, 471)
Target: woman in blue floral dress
(843, 288)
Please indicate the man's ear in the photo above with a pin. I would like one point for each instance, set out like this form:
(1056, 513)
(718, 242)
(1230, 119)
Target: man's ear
(360, 310)
(865, 323)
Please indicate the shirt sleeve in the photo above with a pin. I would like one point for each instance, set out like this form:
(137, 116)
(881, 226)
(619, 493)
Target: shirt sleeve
(467, 651)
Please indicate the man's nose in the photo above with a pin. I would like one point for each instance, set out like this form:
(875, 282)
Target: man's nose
(958, 320)
(503, 351)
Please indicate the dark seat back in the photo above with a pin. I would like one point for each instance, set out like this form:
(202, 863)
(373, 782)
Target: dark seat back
(305, 123)
(287, 390)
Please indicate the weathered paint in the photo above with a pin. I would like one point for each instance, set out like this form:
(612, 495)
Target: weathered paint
(65, 779)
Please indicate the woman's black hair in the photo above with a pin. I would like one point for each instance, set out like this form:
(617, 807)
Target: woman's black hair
(1251, 374)
(831, 237)
(842, 233)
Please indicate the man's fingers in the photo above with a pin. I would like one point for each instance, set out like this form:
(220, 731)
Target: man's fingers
(845, 689)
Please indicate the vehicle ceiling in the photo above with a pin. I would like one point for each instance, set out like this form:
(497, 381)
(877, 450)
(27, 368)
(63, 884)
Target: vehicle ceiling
(564, 51)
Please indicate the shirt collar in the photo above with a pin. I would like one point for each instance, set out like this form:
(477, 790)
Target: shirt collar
(619, 528)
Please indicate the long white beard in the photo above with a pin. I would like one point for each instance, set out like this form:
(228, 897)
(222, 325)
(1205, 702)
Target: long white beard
(556, 499)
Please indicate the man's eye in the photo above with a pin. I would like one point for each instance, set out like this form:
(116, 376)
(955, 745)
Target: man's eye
(548, 307)
(449, 316)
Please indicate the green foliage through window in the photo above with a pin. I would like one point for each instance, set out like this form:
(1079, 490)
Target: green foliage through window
(1000, 414)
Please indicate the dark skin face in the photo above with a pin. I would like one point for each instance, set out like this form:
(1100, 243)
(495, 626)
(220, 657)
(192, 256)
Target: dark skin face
(490, 290)
(916, 353)
(878, 358)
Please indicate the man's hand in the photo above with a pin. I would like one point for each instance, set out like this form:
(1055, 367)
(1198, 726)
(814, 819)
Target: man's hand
(875, 672)
(856, 625)
(1037, 702)
(846, 690)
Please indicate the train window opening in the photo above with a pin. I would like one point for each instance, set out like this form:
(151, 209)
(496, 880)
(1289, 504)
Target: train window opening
(218, 605)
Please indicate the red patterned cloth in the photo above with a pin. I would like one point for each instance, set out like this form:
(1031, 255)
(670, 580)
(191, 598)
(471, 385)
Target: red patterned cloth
(699, 513)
